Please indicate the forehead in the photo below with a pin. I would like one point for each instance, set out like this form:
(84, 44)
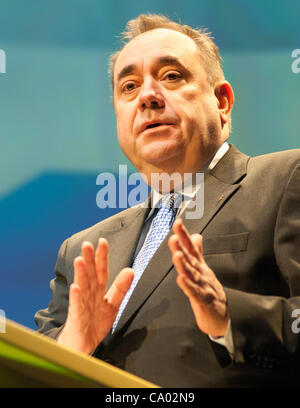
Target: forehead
(151, 45)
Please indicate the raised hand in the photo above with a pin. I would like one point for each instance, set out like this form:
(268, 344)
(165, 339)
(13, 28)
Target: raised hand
(198, 281)
(92, 311)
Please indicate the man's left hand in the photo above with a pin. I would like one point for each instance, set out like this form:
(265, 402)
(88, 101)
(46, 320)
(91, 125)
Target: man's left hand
(198, 282)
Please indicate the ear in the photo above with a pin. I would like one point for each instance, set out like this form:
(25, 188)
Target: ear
(225, 100)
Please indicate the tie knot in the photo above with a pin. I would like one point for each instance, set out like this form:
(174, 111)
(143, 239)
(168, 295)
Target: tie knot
(171, 201)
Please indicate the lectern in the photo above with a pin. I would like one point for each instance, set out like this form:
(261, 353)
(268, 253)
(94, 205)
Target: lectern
(30, 359)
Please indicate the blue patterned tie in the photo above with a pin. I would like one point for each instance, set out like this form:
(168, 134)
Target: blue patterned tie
(160, 227)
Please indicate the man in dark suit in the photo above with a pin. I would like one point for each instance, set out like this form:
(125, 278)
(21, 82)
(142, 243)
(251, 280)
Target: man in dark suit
(225, 318)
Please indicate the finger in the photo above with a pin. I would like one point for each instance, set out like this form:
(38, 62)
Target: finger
(173, 243)
(88, 252)
(185, 268)
(88, 255)
(75, 301)
(120, 287)
(193, 272)
(101, 261)
(197, 240)
(181, 282)
(177, 259)
(194, 267)
(80, 274)
(190, 289)
(188, 256)
(184, 237)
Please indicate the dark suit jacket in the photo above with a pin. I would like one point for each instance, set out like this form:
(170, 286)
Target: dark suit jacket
(251, 233)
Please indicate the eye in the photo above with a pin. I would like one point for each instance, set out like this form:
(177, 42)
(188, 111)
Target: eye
(128, 87)
(172, 76)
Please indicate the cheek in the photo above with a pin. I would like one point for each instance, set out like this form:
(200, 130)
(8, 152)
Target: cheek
(200, 108)
(190, 104)
(124, 117)
(190, 94)
(124, 122)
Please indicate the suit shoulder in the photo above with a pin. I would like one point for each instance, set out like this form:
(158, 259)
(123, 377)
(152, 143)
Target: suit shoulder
(284, 160)
(107, 225)
(283, 154)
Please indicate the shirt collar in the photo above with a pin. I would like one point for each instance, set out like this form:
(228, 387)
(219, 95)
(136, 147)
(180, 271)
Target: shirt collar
(188, 195)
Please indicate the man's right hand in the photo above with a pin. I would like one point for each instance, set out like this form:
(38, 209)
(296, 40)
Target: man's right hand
(92, 311)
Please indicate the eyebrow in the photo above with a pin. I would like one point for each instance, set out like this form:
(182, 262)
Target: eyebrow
(169, 60)
(165, 60)
(127, 70)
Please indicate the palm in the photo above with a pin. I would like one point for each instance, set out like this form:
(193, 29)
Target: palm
(199, 283)
(92, 311)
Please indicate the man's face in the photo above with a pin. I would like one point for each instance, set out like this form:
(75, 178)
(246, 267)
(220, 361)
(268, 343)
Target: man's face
(167, 113)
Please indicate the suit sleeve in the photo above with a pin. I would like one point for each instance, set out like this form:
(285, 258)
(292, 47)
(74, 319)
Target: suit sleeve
(262, 326)
(51, 321)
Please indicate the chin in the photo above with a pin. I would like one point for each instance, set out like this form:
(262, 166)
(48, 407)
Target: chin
(160, 153)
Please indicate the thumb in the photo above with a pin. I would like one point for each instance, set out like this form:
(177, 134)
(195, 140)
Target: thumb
(120, 286)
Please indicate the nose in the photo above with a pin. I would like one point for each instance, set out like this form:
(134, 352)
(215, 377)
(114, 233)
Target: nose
(150, 96)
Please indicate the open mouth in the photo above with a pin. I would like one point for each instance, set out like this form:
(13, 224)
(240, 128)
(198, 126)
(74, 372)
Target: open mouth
(154, 125)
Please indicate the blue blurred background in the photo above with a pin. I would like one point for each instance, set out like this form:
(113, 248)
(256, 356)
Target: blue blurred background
(57, 125)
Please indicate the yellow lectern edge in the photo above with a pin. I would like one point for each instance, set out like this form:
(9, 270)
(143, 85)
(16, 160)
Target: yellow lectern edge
(81, 364)
(11, 352)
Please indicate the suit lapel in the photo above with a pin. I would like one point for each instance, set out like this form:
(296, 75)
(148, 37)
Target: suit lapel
(216, 193)
(123, 239)
(220, 185)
